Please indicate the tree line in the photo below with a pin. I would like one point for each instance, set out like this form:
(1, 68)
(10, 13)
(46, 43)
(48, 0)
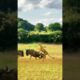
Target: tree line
(39, 26)
(28, 32)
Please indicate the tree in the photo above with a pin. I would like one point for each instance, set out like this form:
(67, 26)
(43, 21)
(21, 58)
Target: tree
(39, 27)
(25, 24)
(22, 35)
(54, 27)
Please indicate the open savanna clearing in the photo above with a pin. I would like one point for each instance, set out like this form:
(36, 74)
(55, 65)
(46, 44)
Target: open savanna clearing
(37, 69)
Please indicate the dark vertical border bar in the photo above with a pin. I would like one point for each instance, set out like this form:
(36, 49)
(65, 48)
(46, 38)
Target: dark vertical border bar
(71, 40)
(8, 39)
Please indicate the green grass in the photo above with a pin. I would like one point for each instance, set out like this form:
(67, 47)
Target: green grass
(43, 32)
(49, 69)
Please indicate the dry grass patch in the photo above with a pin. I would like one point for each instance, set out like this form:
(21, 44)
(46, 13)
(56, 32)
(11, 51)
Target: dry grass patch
(49, 69)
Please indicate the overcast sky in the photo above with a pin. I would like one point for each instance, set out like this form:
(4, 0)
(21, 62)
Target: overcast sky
(40, 11)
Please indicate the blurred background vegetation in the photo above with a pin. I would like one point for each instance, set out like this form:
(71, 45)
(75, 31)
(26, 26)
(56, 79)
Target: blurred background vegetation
(28, 32)
(8, 39)
(71, 24)
(71, 39)
(8, 24)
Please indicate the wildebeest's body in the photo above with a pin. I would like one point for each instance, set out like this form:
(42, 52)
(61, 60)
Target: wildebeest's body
(20, 53)
(34, 53)
(42, 55)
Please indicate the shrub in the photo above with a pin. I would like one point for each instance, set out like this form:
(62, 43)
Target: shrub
(54, 37)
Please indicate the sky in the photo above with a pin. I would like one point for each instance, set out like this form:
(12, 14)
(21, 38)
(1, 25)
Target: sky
(40, 11)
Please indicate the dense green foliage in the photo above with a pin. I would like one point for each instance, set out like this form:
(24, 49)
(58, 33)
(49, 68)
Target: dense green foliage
(39, 27)
(38, 33)
(54, 37)
(25, 25)
(54, 27)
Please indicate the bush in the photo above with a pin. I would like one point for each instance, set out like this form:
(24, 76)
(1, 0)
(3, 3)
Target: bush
(54, 37)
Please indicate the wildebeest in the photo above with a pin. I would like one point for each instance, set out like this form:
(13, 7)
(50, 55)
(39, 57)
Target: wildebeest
(42, 55)
(35, 54)
(20, 53)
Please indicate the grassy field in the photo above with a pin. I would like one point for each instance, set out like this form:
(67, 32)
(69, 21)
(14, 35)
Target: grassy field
(49, 69)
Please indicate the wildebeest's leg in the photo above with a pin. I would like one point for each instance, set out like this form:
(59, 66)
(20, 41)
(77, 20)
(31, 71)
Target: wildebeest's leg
(44, 57)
